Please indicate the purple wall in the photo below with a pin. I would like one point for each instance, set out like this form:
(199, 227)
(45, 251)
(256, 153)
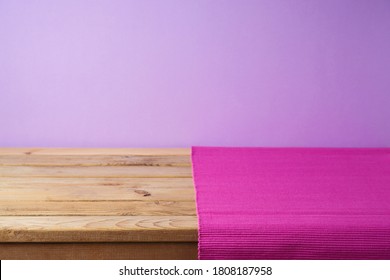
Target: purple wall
(180, 73)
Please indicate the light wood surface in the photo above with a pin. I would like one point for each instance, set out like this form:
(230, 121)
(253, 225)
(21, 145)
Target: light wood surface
(96, 171)
(95, 160)
(96, 197)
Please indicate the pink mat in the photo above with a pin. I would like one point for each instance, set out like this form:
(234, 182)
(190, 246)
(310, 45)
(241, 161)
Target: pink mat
(293, 203)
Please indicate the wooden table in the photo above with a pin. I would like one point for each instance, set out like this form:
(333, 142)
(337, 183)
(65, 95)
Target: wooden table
(97, 204)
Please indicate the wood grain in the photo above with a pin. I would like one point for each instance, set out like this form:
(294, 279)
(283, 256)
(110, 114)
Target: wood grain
(94, 160)
(86, 193)
(96, 171)
(98, 229)
(97, 204)
(99, 251)
(50, 182)
(93, 208)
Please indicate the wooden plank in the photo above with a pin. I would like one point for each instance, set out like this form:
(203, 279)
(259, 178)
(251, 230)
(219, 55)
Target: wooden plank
(98, 229)
(96, 151)
(50, 182)
(97, 208)
(94, 160)
(96, 171)
(79, 193)
(99, 251)
(46, 189)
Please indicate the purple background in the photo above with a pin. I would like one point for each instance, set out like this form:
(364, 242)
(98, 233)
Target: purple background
(180, 73)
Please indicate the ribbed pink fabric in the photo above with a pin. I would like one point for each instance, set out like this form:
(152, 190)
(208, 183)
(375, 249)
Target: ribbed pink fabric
(293, 203)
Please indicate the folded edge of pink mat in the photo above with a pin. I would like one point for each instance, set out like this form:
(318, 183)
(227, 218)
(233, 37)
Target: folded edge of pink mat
(292, 203)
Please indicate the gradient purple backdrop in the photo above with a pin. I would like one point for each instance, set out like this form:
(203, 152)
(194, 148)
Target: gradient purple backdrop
(180, 73)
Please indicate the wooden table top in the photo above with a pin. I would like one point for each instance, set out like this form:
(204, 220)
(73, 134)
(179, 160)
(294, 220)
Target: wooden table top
(96, 195)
